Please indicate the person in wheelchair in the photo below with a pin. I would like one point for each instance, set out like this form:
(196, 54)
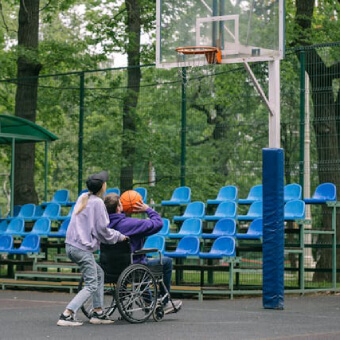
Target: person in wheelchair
(137, 229)
(86, 231)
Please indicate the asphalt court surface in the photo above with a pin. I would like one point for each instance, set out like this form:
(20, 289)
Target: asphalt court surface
(33, 315)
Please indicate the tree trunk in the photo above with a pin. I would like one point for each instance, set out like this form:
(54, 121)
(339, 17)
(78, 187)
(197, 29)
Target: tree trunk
(26, 98)
(131, 98)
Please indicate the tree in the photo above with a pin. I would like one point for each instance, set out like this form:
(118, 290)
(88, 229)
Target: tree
(28, 68)
(322, 73)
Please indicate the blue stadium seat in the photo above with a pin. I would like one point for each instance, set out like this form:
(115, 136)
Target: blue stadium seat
(193, 210)
(254, 212)
(3, 226)
(39, 210)
(143, 192)
(42, 226)
(294, 210)
(60, 197)
(52, 211)
(227, 193)
(254, 232)
(224, 246)
(30, 244)
(324, 192)
(181, 195)
(6, 243)
(16, 226)
(62, 229)
(187, 246)
(26, 212)
(156, 242)
(255, 194)
(165, 229)
(112, 191)
(191, 226)
(292, 192)
(225, 209)
(223, 227)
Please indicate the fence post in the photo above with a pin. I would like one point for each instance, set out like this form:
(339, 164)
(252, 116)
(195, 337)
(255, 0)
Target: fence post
(302, 117)
(184, 125)
(81, 129)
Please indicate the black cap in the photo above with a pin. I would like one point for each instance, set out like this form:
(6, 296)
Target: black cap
(95, 182)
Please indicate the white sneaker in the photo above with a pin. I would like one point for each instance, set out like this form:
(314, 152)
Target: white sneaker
(68, 321)
(100, 319)
(169, 307)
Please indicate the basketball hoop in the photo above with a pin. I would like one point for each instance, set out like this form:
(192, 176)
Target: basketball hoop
(212, 54)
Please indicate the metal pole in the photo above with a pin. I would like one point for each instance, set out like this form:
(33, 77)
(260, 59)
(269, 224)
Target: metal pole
(46, 170)
(302, 116)
(12, 177)
(214, 24)
(81, 130)
(274, 103)
(334, 265)
(184, 125)
(221, 32)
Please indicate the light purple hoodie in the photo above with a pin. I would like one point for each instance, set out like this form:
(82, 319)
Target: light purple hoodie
(89, 228)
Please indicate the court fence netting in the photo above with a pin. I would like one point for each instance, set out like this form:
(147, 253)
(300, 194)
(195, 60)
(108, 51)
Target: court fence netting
(204, 129)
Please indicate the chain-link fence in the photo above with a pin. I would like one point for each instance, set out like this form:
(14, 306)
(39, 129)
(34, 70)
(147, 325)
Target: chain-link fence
(217, 140)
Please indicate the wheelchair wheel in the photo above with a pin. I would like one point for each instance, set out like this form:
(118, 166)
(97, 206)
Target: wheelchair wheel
(136, 293)
(109, 300)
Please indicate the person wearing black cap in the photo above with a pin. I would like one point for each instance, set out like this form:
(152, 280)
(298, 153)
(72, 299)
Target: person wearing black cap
(87, 229)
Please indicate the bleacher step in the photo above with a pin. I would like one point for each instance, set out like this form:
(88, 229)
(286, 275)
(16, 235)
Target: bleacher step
(58, 265)
(47, 275)
(65, 285)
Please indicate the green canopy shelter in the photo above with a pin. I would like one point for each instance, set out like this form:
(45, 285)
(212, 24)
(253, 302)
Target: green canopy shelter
(18, 130)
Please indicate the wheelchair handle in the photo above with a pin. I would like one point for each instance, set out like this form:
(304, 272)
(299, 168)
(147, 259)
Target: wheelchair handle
(145, 251)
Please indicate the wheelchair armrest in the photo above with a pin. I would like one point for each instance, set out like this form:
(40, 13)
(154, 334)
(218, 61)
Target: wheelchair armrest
(145, 251)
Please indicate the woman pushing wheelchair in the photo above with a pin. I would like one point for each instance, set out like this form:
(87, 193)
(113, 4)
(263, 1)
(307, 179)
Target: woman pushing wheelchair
(87, 229)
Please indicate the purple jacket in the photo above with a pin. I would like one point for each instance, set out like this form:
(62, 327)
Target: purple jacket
(137, 229)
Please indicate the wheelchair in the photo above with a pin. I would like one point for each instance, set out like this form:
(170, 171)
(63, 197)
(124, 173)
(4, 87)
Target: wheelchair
(133, 289)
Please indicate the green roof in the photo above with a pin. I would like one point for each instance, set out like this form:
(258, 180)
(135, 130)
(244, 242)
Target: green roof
(23, 131)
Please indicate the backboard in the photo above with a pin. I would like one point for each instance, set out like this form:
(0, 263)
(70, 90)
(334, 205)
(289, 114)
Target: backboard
(244, 30)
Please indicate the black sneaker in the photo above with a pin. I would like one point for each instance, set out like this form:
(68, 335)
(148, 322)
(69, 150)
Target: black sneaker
(100, 319)
(68, 321)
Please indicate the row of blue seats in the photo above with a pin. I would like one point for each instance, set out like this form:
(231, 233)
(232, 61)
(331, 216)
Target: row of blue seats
(42, 227)
(182, 195)
(30, 244)
(188, 246)
(223, 227)
(293, 210)
(62, 196)
(224, 246)
(323, 193)
(32, 212)
(52, 208)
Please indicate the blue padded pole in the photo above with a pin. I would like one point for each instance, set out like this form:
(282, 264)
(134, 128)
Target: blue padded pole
(273, 228)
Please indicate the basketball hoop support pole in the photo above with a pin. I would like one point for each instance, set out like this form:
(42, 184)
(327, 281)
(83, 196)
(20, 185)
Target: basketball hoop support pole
(273, 104)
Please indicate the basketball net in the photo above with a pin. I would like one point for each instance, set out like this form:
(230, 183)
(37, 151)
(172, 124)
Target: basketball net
(203, 58)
